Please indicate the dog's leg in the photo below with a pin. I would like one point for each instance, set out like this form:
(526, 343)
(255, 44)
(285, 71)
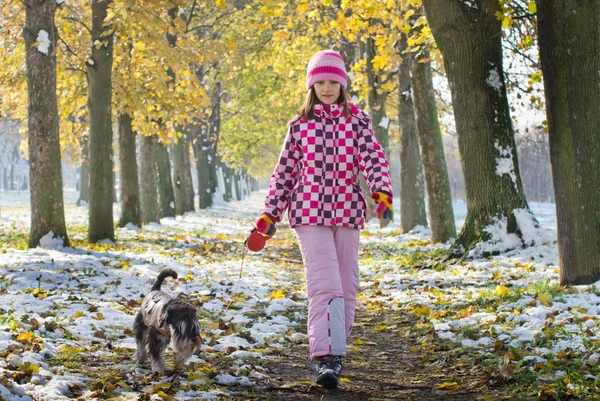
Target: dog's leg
(140, 330)
(157, 343)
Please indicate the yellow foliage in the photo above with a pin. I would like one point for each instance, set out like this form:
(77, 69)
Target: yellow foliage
(25, 337)
(545, 298)
(502, 290)
(422, 311)
(449, 386)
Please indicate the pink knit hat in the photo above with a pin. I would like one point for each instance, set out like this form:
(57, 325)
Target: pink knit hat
(327, 64)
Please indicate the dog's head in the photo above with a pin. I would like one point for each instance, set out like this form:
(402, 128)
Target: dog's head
(181, 320)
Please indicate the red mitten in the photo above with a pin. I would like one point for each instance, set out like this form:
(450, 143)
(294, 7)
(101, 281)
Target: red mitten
(384, 208)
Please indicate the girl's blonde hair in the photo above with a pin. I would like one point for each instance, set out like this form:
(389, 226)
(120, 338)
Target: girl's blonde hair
(306, 112)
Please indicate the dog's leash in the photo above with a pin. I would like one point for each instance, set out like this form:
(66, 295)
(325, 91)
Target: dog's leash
(239, 277)
(254, 242)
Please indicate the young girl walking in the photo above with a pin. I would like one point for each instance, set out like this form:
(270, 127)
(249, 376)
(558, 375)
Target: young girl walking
(317, 178)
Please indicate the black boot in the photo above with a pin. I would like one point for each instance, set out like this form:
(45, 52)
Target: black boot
(329, 370)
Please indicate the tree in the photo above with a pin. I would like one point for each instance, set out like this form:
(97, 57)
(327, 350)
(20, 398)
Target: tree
(439, 198)
(148, 180)
(469, 37)
(166, 197)
(129, 184)
(569, 41)
(47, 209)
(412, 188)
(187, 174)
(84, 170)
(99, 73)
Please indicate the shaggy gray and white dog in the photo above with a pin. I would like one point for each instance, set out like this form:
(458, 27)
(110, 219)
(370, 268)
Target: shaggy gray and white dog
(163, 319)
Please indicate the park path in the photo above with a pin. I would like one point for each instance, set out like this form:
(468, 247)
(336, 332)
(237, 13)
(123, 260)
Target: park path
(401, 362)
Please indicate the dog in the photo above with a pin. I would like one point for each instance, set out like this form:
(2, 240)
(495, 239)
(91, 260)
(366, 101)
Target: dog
(162, 320)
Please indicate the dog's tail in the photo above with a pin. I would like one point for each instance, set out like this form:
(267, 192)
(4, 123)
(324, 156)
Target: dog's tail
(161, 277)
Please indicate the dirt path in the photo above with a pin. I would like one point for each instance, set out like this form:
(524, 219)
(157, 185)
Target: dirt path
(404, 361)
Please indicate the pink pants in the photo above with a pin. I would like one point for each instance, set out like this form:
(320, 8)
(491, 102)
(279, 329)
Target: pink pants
(330, 257)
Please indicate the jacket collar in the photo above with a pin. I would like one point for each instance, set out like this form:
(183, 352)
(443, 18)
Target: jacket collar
(329, 110)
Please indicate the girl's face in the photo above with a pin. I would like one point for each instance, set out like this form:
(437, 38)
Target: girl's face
(327, 91)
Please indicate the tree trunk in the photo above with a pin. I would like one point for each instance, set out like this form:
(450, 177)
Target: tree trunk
(412, 188)
(165, 184)
(202, 154)
(187, 175)
(377, 98)
(101, 136)
(129, 184)
(47, 207)
(439, 198)
(237, 182)
(228, 177)
(177, 151)
(569, 40)
(148, 181)
(205, 151)
(469, 38)
(84, 176)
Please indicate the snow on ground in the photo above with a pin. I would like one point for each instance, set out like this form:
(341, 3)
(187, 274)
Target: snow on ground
(79, 303)
(64, 308)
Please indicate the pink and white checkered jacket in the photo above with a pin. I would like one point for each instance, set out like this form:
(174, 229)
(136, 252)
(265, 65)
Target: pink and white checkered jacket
(317, 173)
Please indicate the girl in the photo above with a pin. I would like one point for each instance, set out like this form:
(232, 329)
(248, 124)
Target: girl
(317, 178)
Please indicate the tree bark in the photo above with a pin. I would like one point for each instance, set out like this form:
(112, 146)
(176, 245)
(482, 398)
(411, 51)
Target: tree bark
(377, 98)
(84, 176)
(166, 196)
(202, 153)
(148, 181)
(205, 151)
(187, 175)
(101, 135)
(228, 178)
(469, 37)
(569, 41)
(129, 185)
(237, 182)
(439, 198)
(47, 206)
(412, 188)
(179, 184)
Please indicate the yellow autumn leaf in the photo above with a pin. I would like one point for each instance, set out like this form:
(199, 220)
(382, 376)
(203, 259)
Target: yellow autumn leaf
(278, 294)
(358, 342)
(449, 386)
(380, 326)
(78, 314)
(344, 380)
(24, 337)
(303, 7)
(422, 311)
(502, 290)
(194, 376)
(99, 316)
(221, 3)
(545, 298)
(532, 7)
(33, 368)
